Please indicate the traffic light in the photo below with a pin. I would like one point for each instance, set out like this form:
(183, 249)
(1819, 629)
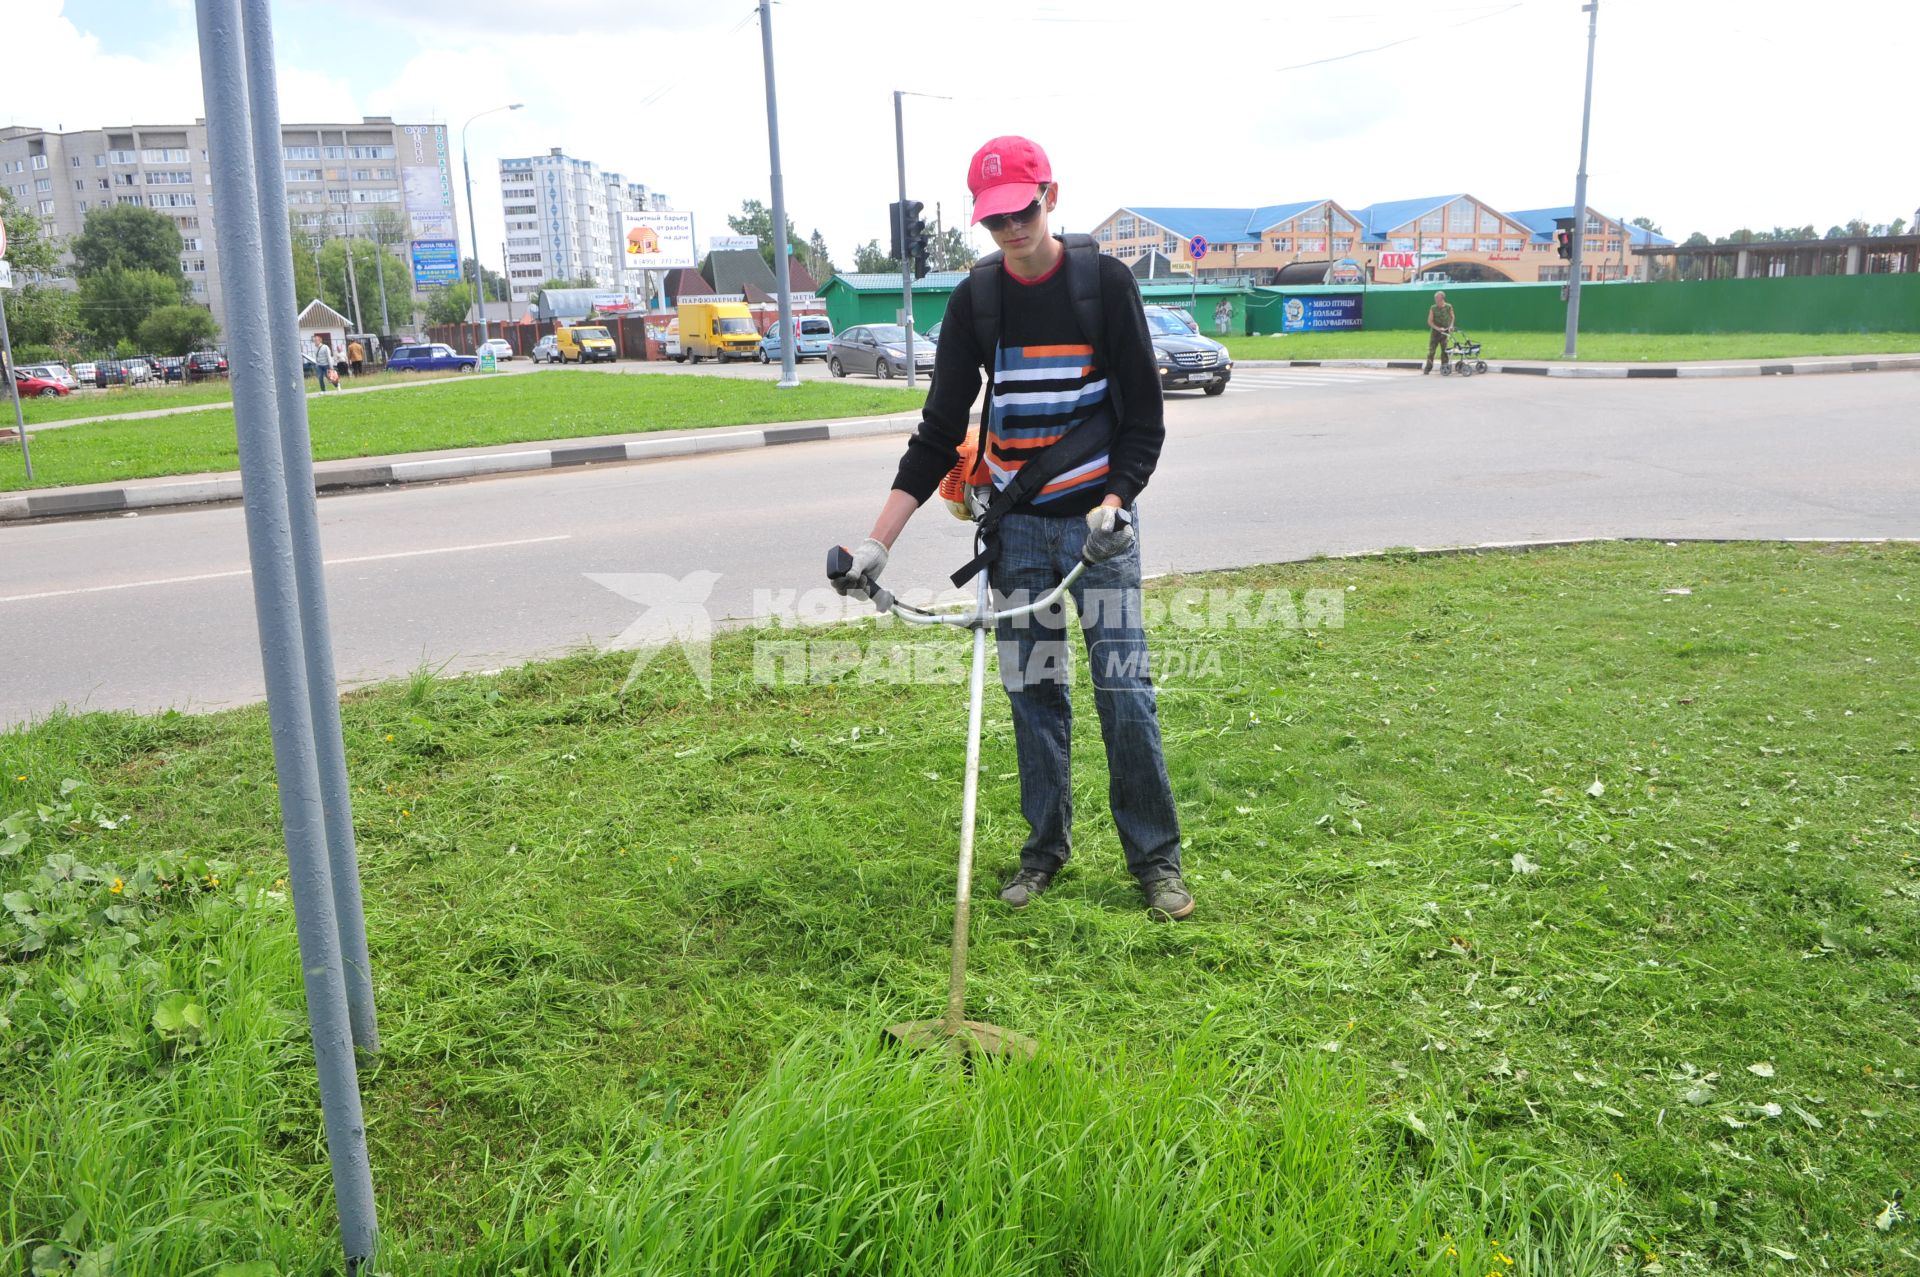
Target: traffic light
(903, 220)
(1563, 238)
(896, 249)
(919, 242)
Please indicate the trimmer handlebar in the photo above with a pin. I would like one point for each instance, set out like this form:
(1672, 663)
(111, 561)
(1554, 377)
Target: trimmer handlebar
(840, 573)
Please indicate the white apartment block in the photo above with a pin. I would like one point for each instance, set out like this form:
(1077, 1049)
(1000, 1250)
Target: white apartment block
(339, 179)
(563, 220)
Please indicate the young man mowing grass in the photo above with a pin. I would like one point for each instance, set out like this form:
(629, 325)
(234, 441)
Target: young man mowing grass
(1072, 430)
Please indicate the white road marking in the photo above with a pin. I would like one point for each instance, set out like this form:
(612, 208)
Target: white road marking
(216, 576)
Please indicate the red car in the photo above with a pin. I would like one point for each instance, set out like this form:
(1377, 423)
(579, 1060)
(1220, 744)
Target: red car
(38, 387)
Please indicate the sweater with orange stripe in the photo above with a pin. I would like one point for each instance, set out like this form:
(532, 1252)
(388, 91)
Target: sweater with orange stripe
(1045, 383)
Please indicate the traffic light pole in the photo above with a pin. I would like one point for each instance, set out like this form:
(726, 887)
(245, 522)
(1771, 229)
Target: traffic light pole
(1574, 268)
(782, 264)
(901, 230)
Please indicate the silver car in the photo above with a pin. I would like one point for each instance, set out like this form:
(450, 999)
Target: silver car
(54, 372)
(880, 349)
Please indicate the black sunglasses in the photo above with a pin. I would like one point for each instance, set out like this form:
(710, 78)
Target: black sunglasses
(997, 222)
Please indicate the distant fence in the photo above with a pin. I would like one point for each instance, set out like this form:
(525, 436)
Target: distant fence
(629, 336)
(1797, 304)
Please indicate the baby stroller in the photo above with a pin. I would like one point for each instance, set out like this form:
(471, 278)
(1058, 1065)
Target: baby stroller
(1463, 353)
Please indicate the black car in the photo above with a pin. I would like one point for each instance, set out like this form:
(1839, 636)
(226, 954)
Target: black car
(170, 367)
(109, 372)
(206, 363)
(1187, 360)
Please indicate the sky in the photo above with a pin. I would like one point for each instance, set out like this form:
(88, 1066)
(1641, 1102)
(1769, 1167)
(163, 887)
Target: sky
(1707, 116)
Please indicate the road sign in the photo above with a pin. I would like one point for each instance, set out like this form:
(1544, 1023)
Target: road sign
(6, 274)
(1181, 268)
(3, 237)
(1197, 246)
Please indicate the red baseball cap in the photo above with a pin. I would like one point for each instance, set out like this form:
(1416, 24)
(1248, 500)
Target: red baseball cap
(1005, 175)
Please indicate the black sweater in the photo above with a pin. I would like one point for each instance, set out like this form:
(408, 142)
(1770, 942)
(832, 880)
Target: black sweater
(959, 361)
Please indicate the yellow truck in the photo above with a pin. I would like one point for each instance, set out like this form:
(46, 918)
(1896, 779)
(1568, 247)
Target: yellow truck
(583, 343)
(717, 330)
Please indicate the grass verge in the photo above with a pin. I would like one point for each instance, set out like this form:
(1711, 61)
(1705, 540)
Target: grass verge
(462, 414)
(151, 398)
(1594, 347)
(1544, 914)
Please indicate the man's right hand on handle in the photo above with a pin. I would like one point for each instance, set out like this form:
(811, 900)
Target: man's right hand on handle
(869, 560)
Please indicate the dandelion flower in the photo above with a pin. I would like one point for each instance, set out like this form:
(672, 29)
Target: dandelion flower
(117, 887)
(19, 777)
(213, 880)
(389, 735)
(405, 812)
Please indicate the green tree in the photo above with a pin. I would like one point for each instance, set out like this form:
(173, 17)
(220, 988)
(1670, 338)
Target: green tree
(127, 237)
(39, 315)
(178, 330)
(950, 250)
(369, 263)
(493, 281)
(115, 301)
(819, 261)
(450, 305)
(571, 283)
(1647, 224)
(28, 250)
(869, 259)
(756, 219)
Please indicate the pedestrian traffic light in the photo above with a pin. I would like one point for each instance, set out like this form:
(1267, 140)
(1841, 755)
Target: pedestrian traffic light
(1563, 238)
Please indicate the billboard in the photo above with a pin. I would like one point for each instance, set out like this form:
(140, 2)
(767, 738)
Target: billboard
(656, 240)
(426, 181)
(1325, 313)
(734, 243)
(436, 263)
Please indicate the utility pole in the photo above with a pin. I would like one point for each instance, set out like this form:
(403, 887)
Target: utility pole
(380, 277)
(13, 387)
(473, 227)
(1592, 10)
(782, 267)
(906, 258)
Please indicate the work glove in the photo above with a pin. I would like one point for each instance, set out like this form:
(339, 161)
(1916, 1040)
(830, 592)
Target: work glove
(1109, 533)
(869, 559)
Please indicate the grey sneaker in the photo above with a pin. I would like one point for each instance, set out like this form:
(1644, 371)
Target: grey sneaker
(1168, 899)
(1025, 885)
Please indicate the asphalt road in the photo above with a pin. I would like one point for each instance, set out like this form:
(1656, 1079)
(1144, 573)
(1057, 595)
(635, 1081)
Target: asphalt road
(156, 610)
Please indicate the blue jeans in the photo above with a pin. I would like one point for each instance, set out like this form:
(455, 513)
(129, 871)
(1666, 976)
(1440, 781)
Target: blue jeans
(1035, 554)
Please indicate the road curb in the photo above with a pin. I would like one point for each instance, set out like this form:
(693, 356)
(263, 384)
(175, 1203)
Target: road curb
(1630, 372)
(361, 473)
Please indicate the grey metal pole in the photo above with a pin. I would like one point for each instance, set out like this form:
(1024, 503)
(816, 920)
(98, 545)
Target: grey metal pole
(380, 277)
(782, 268)
(13, 389)
(479, 276)
(906, 262)
(1592, 10)
(252, 353)
(303, 524)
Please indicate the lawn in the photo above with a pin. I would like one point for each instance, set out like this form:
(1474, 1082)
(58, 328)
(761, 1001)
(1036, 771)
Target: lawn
(1594, 347)
(461, 414)
(1552, 922)
(149, 398)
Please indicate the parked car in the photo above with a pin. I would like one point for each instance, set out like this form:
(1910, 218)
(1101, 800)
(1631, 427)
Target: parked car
(138, 371)
(84, 373)
(581, 343)
(717, 330)
(206, 363)
(32, 387)
(502, 348)
(816, 333)
(54, 372)
(110, 372)
(879, 349)
(546, 350)
(1187, 360)
(170, 368)
(434, 357)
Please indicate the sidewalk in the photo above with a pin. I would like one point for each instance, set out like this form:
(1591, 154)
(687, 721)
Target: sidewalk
(439, 466)
(1704, 368)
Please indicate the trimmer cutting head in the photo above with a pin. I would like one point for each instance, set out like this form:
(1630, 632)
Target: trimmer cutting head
(974, 1038)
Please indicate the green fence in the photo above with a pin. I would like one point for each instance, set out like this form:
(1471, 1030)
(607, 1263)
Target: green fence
(1802, 304)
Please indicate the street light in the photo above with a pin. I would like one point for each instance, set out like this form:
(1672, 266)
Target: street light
(479, 291)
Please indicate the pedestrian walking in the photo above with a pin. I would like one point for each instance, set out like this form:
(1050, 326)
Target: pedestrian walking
(1439, 329)
(356, 356)
(323, 362)
(1071, 432)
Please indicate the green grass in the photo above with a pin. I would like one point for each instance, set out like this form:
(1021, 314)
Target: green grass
(464, 413)
(1594, 347)
(126, 399)
(631, 952)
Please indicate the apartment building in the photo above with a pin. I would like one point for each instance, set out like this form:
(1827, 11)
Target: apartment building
(1459, 235)
(375, 179)
(563, 220)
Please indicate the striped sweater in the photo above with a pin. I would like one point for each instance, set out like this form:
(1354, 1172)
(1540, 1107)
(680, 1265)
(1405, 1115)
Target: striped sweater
(1045, 384)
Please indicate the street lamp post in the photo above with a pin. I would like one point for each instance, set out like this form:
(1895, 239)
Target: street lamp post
(1576, 266)
(473, 228)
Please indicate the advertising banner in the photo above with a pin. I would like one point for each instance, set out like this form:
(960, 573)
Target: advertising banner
(436, 263)
(1325, 313)
(657, 241)
(1398, 261)
(734, 243)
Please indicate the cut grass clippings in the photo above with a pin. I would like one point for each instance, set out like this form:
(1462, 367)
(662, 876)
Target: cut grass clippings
(466, 413)
(151, 398)
(1594, 347)
(1546, 915)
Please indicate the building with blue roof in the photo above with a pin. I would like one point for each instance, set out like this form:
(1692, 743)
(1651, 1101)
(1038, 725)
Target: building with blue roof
(1457, 236)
